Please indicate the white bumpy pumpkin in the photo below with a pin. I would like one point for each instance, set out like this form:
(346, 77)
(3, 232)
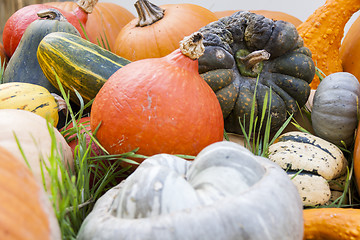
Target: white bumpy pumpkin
(225, 193)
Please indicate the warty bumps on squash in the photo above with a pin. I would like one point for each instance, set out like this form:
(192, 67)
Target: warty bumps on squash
(247, 54)
(159, 105)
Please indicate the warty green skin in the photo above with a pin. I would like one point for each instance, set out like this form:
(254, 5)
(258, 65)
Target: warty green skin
(286, 74)
(23, 65)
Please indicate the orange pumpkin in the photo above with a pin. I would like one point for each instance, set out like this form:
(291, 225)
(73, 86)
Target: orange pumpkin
(25, 210)
(107, 19)
(275, 15)
(331, 223)
(3, 57)
(159, 105)
(356, 157)
(158, 30)
(350, 49)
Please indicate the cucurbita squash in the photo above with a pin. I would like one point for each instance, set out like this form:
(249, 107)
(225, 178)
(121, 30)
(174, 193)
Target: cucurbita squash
(335, 108)
(318, 159)
(157, 31)
(225, 193)
(23, 65)
(30, 97)
(159, 105)
(32, 132)
(26, 212)
(356, 158)
(104, 23)
(331, 224)
(323, 31)
(246, 51)
(275, 15)
(16, 25)
(79, 64)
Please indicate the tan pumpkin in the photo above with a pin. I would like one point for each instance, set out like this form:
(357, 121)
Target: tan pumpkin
(34, 137)
(25, 210)
(158, 30)
(350, 49)
(275, 15)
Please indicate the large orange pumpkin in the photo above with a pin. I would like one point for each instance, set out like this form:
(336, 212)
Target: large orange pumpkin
(159, 105)
(350, 49)
(356, 156)
(275, 15)
(25, 210)
(107, 19)
(158, 30)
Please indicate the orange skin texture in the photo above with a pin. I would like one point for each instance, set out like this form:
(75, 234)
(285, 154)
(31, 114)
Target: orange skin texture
(162, 37)
(160, 105)
(350, 49)
(23, 214)
(107, 19)
(322, 33)
(3, 56)
(16, 25)
(275, 15)
(331, 223)
(356, 157)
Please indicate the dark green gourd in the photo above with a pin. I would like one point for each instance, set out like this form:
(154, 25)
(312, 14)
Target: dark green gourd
(23, 65)
(246, 51)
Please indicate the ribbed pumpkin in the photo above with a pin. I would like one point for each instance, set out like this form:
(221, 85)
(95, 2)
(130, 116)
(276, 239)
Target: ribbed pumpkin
(25, 210)
(106, 20)
(275, 15)
(350, 49)
(16, 25)
(158, 30)
(160, 105)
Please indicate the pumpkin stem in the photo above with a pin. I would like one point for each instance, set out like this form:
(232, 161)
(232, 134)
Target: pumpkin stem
(148, 13)
(87, 5)
(192, 46)
(51, 14)
(250, 64)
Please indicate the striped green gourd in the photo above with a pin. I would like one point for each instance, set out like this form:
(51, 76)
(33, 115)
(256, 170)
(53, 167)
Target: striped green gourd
(79, 64)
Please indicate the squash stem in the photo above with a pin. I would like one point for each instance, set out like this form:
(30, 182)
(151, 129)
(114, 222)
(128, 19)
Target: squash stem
(87, 5)
(51, 14)
(192, 46)
(250, 64)
(148, 13)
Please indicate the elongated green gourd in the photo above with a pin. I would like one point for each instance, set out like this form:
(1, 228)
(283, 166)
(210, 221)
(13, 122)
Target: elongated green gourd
(79, 64)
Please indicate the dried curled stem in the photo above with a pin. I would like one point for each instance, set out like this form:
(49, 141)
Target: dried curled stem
(148, 13)
(192, 46)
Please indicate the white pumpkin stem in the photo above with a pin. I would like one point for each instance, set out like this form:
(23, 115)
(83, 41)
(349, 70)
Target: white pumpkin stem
(87, 5)
(148, 13)
(192, 46)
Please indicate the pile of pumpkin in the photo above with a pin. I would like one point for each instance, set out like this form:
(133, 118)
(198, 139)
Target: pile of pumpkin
(166, 84)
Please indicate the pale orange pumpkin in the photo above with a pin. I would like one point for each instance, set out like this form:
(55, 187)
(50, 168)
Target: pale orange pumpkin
(350, 49)
(275, 15)
(25, 210)
(107, 19)
(158, 30)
